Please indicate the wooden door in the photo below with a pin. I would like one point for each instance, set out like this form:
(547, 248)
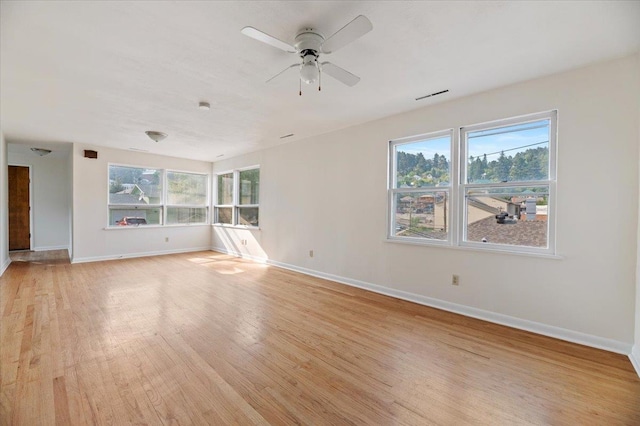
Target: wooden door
(19, 228)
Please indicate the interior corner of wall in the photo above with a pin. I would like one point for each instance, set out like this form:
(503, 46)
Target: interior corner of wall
(635, 357)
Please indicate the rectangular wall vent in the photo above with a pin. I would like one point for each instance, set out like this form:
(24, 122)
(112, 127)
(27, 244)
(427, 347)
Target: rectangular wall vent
(432, 94)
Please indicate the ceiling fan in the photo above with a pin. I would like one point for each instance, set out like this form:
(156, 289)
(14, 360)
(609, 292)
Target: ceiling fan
(310, 44)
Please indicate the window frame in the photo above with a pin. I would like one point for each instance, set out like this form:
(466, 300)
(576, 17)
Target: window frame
(458, 189)
(235, 205)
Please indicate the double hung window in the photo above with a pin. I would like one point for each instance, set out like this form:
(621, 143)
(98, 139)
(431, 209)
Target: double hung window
(499, 192)
(420, 190)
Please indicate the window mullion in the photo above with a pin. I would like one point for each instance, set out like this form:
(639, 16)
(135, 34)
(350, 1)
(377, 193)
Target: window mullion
(236, 196)
(164, 196)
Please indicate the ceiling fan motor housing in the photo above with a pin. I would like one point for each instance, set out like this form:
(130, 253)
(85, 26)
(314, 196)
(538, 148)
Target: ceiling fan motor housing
(308, 42)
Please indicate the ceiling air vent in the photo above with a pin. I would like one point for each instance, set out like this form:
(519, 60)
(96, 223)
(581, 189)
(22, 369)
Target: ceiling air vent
(432, 94)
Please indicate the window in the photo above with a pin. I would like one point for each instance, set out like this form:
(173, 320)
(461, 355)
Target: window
(187, 197)
(238, 197)
(421, 187)
(504, 198)
(140, 196)
(135, 196)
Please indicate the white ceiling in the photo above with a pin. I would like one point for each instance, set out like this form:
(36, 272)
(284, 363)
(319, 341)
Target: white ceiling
(104, 72)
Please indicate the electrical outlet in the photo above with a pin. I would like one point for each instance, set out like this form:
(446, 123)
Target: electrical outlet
(455, 280)
(310, 253)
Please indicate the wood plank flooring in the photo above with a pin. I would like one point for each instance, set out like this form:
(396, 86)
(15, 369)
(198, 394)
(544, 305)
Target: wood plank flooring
(206, 338)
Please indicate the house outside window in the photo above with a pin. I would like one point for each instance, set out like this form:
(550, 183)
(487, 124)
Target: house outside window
(502, 195)
(238, 197)
(135, 196)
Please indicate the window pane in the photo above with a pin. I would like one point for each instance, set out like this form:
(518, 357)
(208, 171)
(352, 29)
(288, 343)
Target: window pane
(134, 216)
(513, 216)
(249, 186)
(248, 216)
(186, 188)
(225, 189)
(421, 215)
(186, 215)
(132, 185)
(223, 215)
(509, 154)
(423, 164)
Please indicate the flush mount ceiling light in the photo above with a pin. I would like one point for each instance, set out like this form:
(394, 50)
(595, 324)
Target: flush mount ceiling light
(205, 106)
(156, 136)
(41, 151)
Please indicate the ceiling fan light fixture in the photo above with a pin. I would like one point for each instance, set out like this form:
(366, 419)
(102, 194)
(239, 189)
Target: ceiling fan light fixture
(309, 72)
(155, 135)
(41, 151)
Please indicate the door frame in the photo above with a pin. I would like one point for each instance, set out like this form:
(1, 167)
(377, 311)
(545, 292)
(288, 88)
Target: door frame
(31, 233)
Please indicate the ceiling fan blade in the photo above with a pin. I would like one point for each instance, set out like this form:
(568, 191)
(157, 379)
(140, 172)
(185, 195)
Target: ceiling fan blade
(350, 32)
(287, 68)
(266, 38)
(340, 74)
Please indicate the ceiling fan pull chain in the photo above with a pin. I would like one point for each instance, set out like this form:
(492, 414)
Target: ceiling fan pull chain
(300, 82)
(319, 79)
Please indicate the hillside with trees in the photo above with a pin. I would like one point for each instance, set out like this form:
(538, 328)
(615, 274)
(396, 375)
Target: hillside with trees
(414, 170)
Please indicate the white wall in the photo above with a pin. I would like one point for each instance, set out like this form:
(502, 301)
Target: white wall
(91, 241)
(50, 206)
(328, 194)
(4, 203)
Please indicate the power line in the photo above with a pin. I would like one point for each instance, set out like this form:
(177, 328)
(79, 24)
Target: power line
(511, 149)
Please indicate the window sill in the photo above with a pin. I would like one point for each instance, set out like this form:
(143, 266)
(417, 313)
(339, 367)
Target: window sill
(248, 228)
(446, 245)
(173, 225)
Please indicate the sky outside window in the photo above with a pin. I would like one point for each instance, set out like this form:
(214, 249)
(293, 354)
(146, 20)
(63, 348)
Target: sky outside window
(429, 147)
(510, 140)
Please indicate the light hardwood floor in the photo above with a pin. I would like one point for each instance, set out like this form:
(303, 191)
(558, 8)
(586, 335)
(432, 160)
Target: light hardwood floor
(205, 338)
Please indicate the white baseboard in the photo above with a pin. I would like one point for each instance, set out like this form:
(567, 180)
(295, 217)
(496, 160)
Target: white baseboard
(47, 248)
(635, 357)
(5, 264)
(133, 255)
(522, 324)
